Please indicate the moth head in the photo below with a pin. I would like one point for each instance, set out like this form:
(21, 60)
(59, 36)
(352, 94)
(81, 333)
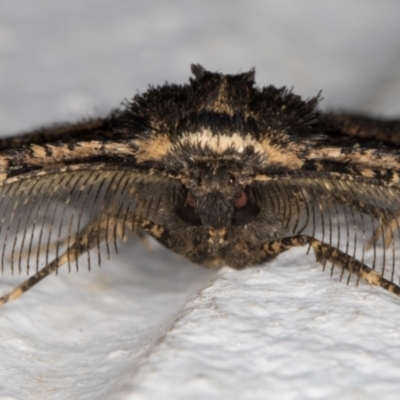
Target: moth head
(212, 135)
(215, 197)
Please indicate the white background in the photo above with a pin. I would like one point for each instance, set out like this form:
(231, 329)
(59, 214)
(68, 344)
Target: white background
(149, 325)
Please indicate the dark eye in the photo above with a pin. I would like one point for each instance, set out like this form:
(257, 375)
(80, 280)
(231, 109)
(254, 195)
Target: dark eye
(184, 209)
(246, 208)
(231, 180)
(199, 181)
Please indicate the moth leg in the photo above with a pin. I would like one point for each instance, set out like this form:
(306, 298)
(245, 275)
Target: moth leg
(384, 230)
(105, 229)
(97, 231)
(389, 222)
(69, 254)
(323, 253)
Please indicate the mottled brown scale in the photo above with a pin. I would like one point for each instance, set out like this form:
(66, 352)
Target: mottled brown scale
(218, 170)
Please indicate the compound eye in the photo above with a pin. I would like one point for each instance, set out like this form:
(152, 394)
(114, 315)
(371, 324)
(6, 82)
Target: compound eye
(184, 209)
(199, 181)
(231, 180)
(241, 201)
(190, 201)
(246, 209)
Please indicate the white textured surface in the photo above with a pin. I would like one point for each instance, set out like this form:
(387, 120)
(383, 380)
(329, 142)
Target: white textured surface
(150, 325)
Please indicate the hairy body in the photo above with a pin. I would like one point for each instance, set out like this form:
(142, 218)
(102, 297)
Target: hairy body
(217, 170)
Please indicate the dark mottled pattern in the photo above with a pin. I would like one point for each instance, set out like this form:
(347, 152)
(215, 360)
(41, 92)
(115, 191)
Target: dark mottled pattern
(218, 170)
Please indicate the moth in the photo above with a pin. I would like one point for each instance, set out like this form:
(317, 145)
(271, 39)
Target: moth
(218, 170)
